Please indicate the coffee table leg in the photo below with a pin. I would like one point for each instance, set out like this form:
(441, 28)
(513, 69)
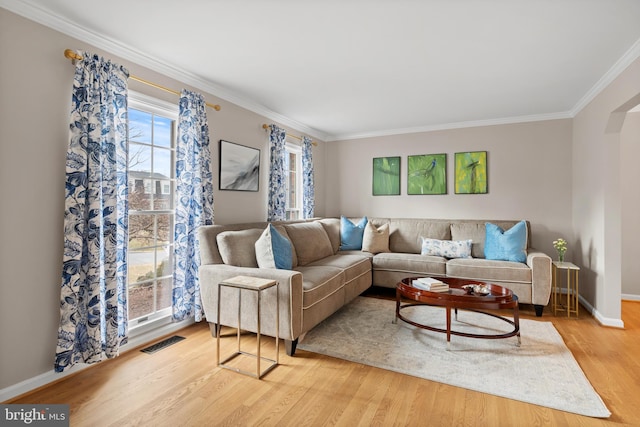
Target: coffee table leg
(395, 319)
(516, 319)
(449, 326)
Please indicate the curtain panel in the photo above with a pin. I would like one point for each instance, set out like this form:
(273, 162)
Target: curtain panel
(308, 188)
(276, 208)
(93, 297)
(194, 203)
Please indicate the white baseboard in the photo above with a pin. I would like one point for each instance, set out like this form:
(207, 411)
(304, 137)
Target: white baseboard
(51, 376)
(630, 297)
(604, 321)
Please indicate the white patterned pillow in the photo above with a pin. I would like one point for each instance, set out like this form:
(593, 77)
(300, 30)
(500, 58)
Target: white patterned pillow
(446, 248)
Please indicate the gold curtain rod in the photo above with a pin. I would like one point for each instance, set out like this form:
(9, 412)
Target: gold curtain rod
(74, 56)
(266, 127)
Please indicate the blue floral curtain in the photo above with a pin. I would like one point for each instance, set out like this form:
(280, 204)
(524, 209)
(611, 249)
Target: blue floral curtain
(308, 191)
(194, 203)
(276, 210)
(93, 297)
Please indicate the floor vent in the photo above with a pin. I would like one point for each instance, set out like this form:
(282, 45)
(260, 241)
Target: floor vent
(162, 344)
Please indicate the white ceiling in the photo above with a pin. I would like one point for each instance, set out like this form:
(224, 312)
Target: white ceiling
(340, 69)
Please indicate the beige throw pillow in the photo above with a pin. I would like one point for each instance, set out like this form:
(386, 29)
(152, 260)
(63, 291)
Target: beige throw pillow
(375, 240)
(237, 248)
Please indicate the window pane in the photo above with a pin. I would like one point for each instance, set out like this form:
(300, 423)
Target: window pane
(162, 131)
(292, 161)
(165, 261)
(139, 126)
(141, 266)
(139, 160)
(139, 200)
(163, 292)
(140, 300)
(162, 162)
(165, 229)
(141, 230)
(292, 190)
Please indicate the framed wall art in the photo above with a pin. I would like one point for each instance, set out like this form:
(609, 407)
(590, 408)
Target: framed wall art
(386, 176)
(427, 174)
(239, 167)
(471, 172)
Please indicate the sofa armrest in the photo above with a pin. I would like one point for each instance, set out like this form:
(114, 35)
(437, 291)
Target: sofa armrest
(540, 264)
(289, 291)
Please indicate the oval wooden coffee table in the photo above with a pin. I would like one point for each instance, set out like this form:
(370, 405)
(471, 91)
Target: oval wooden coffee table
(456, 297)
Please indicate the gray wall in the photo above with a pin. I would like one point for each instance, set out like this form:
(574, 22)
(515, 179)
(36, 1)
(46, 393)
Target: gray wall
(529, 173)
(598, 195)
(630, 196)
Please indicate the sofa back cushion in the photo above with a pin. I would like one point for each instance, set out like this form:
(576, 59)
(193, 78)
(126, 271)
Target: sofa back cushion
(476, 231)
(310, 241)
(237, 248)
(332, 227)
(405, 234)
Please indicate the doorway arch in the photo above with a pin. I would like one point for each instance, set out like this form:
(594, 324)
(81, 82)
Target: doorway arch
(613, 207)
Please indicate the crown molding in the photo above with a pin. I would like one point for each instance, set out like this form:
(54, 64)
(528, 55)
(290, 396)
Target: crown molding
(63, 25)
(621, 64)
(456, 125)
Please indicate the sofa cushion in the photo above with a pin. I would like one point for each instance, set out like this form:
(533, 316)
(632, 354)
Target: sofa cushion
(489, 270)
(319, 283)
(375, 239)
(273, 250)
(353, 264)
(446, 248)
(412, 264)
(310, 241)
(474, 231)
(509, 245)
(351, 234)
(332, 227)
(404, 233)
(237, 248)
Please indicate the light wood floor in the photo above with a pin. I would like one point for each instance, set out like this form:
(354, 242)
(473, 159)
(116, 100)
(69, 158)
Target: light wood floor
(181, 386)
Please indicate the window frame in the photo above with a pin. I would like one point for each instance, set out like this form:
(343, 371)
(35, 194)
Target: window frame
(148, 104)
(291, 147)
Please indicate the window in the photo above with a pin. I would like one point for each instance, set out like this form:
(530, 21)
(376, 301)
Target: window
(151, 169)
(293, 169)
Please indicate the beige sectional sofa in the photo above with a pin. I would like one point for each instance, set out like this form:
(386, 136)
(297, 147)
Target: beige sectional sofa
(323, 278)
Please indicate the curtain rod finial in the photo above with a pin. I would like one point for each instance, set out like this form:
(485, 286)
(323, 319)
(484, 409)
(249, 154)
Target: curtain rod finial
(72, 55)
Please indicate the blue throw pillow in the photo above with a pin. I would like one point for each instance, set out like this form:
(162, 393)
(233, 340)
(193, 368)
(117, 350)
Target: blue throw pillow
(351, 234)
(510, 245)
(273, 250)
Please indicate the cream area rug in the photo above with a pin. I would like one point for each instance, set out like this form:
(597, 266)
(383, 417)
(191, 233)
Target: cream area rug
(542, 371)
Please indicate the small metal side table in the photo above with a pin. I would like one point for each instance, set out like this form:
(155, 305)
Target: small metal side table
(257, 285)
(572, 288)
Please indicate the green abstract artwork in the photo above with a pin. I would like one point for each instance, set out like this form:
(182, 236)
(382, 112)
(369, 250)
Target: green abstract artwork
(386, 176)
(427, 174)
(471, 172)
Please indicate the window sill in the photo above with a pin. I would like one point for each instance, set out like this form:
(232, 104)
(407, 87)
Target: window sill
(149, 331)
